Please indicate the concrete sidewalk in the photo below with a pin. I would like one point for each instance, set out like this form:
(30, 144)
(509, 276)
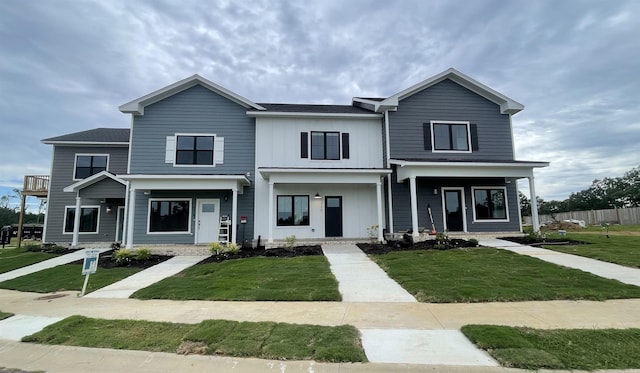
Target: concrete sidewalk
(360, 279)
(54, 262)
(623, 274)
(125, 287)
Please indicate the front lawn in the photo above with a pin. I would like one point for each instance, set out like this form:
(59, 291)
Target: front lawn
(15, 258)
(305, 278)
(583, 349)
(624, 250)
(266, 340)
(493, 275)
(4, 315)
(67, 277)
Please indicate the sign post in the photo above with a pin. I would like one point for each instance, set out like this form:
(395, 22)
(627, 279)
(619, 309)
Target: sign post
(89, 266)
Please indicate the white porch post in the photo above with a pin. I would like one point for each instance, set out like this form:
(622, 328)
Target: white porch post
(270, 238)
(534, 204)
(234, 212)
(130, 217)
(390, 204)
(125, 216)
(76, 220)
(379, 203)
(414, 206)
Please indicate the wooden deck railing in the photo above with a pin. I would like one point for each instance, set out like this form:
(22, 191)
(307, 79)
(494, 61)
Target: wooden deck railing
(36, 185)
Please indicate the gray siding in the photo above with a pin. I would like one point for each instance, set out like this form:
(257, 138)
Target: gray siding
(195, 110)
(449, 101)
(425, 186)
(62, 176)
(106, 188)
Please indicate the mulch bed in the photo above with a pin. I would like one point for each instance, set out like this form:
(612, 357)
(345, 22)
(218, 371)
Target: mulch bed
(527, 240)
(275, 252)
(377, 248)
(108, 260)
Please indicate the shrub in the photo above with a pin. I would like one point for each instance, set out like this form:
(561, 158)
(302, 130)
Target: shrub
(290, 241)
(33, 247)
(143, 254)
(472, 242)
(232, 248)
(123, 257)
(216, 248)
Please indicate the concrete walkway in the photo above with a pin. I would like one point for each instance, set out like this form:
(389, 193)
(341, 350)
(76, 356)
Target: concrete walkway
(54, 262)
(360, 279)
(623, 274)
(125, 287)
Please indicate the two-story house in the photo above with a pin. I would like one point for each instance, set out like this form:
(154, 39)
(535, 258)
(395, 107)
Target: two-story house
(196, 152)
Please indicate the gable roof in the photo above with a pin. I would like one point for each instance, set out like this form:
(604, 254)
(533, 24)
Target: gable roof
(312, 108)
(507, 105)
(106, 136)
(137, 106)
(95, 178)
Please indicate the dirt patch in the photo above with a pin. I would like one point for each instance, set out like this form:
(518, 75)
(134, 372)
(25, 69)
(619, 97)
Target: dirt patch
(561, 225)
(275, 252)
(538, 241)
(191, 347)
(391, 246)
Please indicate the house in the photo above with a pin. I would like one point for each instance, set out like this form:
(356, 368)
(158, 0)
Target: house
(198, 154)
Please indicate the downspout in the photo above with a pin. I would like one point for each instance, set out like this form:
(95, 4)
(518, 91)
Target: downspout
(388, 165)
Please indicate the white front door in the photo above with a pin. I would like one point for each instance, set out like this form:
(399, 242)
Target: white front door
(207, 220)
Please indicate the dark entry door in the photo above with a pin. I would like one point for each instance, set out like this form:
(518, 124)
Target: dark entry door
(454, 210)
(333, 217)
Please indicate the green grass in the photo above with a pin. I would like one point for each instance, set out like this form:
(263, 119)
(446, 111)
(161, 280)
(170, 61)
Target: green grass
(613, 228)
(488, 274)
(66, 277)
(558, 349)
(265, 340)
(624, 250)
(4, 315)
(11, 259)
(304, 278)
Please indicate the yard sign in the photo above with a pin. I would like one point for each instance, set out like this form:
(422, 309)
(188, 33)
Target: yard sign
(89, 266)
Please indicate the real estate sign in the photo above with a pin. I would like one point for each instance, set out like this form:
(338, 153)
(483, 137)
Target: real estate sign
(90, 264)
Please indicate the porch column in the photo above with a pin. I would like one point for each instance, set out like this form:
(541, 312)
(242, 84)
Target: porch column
(76, 221)
(379, 203)
(270, 238)
(534, 204)
(130, 217)
(390, 204)
(414, 206)
(234, 212)
(125, 216)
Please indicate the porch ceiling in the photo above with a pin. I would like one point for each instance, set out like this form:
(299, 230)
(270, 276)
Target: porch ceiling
(187, 182)
(325, 175)
(408, 169)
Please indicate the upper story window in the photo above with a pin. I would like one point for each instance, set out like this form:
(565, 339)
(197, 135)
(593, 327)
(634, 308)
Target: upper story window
(325, 145)
(196, 150)
(451, 136)
(89, 164)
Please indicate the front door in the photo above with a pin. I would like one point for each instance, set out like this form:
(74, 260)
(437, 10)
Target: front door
(333, 217)
(207, 220)
(119, 223)
(454, 209)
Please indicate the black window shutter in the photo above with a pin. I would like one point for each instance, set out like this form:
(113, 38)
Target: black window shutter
(345, 145)
(304, 145)
(426, 132)
(474, 137)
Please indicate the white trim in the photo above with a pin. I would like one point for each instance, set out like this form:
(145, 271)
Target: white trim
(213, 153)
(64, 220)
(187, 182)
(87, 143)
(407, 169)
(171, 200)
(118, 218)
(280, 114)
(388, 165)
(323, 176)
(130, 141)
(75, 162)
(83, 183)
(463, 205)
(506, 205)
(433, 137)
(137, 106)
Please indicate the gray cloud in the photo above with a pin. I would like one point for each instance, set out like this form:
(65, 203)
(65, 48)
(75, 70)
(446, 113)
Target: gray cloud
(67, 65)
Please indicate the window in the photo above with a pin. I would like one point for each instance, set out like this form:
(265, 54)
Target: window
(88, 219)
(169, 216)
(325, 145)
(490, 204)
(196, 150)
(451, 136)
(293, 210)
(87, 165)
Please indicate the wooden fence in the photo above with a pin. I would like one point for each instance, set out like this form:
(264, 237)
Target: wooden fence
(622, 216)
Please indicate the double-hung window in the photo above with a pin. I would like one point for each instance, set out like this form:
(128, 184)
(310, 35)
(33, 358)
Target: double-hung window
(451, 136)
(293, 210)
(325, 145)
(88, 219)
(169, 215)
(89, 164)
(194, 150)
(490, 204)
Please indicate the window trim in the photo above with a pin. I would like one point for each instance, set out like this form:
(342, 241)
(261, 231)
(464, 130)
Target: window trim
(75, 162)
(189, 220)
(339, 133)
(433, 136)
(506, 204)
(64, 220)
(293, 209)
(175, 151)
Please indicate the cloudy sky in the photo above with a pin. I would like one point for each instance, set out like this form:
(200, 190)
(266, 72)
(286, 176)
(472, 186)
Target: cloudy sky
(66, 66)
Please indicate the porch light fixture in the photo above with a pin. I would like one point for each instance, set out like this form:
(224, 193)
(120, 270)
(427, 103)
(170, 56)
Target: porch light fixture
(435, 191)
(108, 209)
(317, 196)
